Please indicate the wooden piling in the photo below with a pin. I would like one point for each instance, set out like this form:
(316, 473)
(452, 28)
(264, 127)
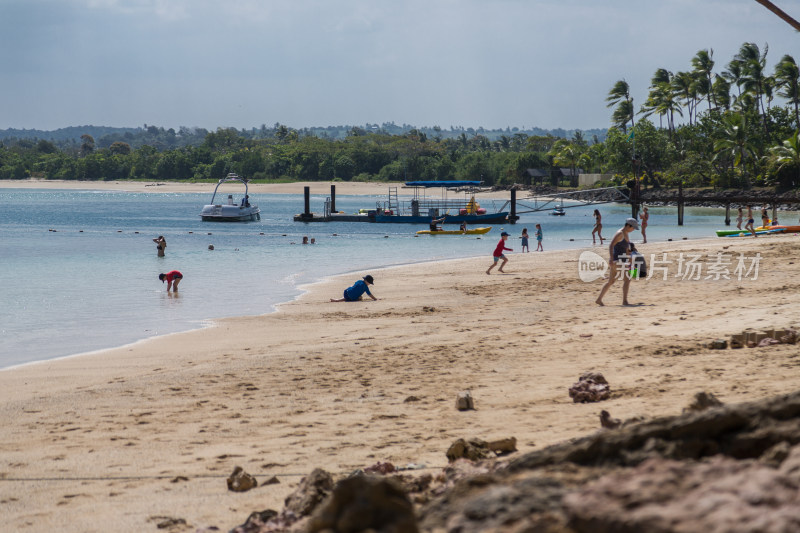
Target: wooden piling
(333, 198)
(727, 214)
(307, 200)
(680, 204)
(512, 217)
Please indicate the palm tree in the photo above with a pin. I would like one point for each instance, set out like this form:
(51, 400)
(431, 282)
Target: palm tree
(658, 97)
(769, 91)
(620, 96)
(753, 64)
(567, 153)
(722, 92)
(787, 78)
(735, 145)
(734, 75)
(703, 64)
(788, 155)
(684, 87)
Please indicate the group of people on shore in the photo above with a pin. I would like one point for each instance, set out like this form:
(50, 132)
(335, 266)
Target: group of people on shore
(749, 225)
(621, 251)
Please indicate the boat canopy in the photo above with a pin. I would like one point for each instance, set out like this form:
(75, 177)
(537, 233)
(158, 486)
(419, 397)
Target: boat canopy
(450, 183)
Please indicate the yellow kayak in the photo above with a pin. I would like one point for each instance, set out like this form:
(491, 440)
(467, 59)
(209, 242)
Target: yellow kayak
(473, 231)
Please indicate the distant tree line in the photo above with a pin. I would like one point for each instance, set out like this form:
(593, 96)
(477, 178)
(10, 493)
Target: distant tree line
(165, 139)
(734, 134)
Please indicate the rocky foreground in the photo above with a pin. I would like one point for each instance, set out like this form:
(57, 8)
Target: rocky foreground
(714, 468)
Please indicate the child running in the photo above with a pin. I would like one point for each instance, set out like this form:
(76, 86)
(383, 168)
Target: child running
(498, 253)
(539, 238)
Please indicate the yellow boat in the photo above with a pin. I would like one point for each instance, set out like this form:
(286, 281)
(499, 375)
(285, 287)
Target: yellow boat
(473, 231)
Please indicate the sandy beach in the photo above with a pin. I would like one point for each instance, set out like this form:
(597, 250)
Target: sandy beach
(316, 187)
(134, 435)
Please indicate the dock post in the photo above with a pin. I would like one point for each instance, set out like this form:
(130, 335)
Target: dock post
(680, 204)
(333, 198)
(512, 218)
(774, 212)
(727, 214)
(307, 200)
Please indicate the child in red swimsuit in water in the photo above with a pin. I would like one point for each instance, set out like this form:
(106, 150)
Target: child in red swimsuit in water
(172, 278)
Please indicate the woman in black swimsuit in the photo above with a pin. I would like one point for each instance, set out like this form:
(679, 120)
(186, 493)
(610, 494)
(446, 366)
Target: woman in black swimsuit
(619, 250)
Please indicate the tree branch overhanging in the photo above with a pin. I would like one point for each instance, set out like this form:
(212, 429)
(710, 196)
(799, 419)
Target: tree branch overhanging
(782, 14)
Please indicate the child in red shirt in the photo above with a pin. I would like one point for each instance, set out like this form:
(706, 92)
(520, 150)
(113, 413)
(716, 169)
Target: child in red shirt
(173, 277)
(498, 253)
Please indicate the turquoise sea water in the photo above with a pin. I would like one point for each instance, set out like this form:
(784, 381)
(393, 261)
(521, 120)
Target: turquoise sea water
(79, 268)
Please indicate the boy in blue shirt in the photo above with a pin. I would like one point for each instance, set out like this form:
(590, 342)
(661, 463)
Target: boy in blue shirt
(354, 293)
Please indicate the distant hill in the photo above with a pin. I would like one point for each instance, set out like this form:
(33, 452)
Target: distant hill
(72, 133)
(163, 139)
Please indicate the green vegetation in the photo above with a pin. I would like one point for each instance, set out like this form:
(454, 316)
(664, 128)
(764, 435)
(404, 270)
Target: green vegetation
(733, 134)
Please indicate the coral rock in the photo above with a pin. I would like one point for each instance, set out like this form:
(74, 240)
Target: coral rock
(464, 401)
(241, 481)
(591, 387)
(312, 490)
(365, 503)
(474, 450)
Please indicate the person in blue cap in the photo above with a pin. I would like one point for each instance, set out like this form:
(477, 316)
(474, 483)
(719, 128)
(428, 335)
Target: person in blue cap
(355, 293)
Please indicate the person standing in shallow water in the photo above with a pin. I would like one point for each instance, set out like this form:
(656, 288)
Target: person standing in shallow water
(161, 245)
(620, 257)
(645, 216)
(598, 227)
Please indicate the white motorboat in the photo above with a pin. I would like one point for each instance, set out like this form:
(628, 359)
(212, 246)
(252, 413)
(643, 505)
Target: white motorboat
(231, 211)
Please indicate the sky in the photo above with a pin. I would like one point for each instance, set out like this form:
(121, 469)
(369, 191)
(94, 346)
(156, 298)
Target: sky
(304, 63)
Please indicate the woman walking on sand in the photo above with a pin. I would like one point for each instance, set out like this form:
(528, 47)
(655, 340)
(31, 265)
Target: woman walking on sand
(598, 226)
(620, 257)
(645, 216)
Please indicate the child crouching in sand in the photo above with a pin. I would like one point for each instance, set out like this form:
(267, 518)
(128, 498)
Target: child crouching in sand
(498, 253)
(354, 293)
